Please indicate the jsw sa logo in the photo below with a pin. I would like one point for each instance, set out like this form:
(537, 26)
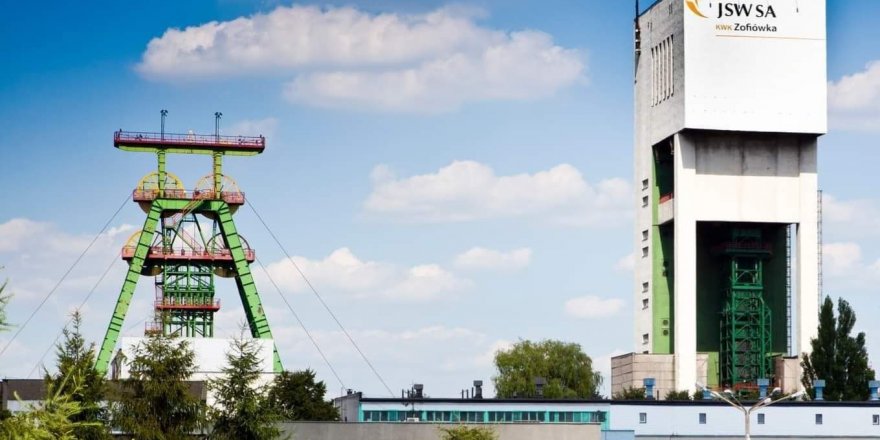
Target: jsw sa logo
(731, 9)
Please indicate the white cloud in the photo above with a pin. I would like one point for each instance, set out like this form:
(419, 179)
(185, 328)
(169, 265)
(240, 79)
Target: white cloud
(591, 306)
(487, 358)
(468, 190)
(841, 259)
(343, 271)
(854, 100)
(627, 263)
(344, 57)
(253, 127)
(478, 258)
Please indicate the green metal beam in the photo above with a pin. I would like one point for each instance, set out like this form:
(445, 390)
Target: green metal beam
(128, 287)
(184, 150)
(247, 289)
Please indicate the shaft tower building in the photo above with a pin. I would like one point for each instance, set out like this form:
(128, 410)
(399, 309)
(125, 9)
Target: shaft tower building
(730, 100)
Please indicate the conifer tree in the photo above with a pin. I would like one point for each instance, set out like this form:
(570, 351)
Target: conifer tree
(155, 402)
(240, 400)
(837, 357)
(75, 359)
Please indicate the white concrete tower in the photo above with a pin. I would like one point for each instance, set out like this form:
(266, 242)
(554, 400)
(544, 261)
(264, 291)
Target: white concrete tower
(730, 99)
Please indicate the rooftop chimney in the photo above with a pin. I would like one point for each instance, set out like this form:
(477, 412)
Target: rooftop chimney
(478, 389)
(539, 386)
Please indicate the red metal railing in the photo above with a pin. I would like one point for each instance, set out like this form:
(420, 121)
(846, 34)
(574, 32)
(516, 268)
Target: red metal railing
(189, 140)
(148, 195)
(187, 303)
(158, 252)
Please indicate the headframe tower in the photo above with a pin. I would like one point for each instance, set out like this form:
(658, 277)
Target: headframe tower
(730, 100)
(181, 252)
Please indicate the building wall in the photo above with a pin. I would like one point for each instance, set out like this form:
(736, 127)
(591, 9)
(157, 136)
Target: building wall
(431, 431)
(784, 420)
(744, 150)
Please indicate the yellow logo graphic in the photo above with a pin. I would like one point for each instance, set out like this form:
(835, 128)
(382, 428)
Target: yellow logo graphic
(694, 6)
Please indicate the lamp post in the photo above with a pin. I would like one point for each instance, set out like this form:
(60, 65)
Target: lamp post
(164, 113)
(747, 412)
(217, 116)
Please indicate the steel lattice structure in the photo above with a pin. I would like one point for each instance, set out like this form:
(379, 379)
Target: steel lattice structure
(175, 248)
(746, 337)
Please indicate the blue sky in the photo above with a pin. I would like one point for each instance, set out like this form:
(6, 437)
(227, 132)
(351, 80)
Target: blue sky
(453, 184)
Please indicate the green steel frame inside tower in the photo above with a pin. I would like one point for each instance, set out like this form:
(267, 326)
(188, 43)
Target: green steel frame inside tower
(743, 288)
(177, 249)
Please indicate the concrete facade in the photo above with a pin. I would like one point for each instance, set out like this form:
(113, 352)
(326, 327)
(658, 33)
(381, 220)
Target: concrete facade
(432, 431)
(720, 174)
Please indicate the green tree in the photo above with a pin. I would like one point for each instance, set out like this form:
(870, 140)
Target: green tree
(77, 359)
(467, 433)
(837, 357)
(630, 393)
(240, 402)
(297, 396)
(677, 395)
(4, 301)
(53, 418)
(567, 370)
(155, 402)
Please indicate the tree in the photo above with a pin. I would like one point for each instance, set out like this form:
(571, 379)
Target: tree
(240, 402)
(296, 396)
(677, 395)
(630, 393)
(468, 433)
(567, 370)
(53, 418)
(155, 403)
(837, 357)
(76, 359)
(4, 301)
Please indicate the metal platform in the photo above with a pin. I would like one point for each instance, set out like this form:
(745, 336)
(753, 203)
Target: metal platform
(188, 143)
(182, 255)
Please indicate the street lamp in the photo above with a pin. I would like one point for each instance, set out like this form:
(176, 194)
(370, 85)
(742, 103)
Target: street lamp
(731, 399)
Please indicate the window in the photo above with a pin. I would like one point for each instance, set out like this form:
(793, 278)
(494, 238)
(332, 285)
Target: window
(644, 184)
(645, 202)
(702, 418)
(645, 303)
(760, 419)
(818, 419)
(645, 235)
(645, 338)
(645, 252)
(643, 417)
(876, 419)
(662, 71)
(645, 287)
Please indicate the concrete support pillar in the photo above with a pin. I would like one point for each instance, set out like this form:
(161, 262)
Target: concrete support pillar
(685, 296)
(808, 251)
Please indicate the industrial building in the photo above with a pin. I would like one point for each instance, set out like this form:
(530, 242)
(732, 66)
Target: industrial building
(615, 419)
(729, 106)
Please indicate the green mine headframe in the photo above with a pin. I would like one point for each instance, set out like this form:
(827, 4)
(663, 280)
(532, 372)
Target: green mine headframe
(746, 336)
(181, 253)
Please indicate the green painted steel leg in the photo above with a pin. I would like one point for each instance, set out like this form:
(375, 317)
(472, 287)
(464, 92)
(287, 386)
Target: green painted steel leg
(128, 286)
(218, 173)
(247, 289)
(160, 156)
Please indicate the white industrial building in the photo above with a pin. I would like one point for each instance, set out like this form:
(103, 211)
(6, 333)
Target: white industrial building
(729, 105)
